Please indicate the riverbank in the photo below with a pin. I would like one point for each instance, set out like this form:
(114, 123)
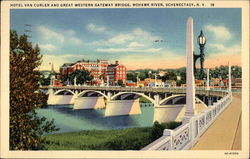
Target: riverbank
(131, 138)
(121, 139)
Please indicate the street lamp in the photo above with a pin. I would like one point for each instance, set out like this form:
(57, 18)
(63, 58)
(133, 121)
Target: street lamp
(107, 80)
(155, 79)
(67, 75)
(201, 41)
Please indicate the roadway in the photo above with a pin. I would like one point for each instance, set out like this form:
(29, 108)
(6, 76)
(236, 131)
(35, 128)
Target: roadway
(225, 132)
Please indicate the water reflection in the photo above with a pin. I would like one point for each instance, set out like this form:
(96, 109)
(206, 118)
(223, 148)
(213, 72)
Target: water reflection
(68, 119)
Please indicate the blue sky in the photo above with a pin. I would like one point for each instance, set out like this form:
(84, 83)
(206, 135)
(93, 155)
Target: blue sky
(128, 35)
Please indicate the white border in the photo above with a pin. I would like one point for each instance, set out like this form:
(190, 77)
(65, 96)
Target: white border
(5, 153)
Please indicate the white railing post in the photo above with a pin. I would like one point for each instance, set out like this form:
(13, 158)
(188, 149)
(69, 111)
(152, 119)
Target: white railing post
(229, 78)
(168, 132)
(207, 79)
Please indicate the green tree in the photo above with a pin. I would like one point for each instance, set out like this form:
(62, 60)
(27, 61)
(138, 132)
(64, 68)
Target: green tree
(169, 76)
(143, 75)
(26, 128)
(120, 83)
(131, 76)
(236, 72)
(182, 74)
(46, 81)
(81, 76)
(157, 131)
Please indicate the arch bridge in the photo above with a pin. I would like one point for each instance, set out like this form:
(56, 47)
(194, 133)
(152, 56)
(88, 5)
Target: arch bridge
(123, 100)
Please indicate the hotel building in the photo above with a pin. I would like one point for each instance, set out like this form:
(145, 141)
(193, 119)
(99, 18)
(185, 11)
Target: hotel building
(101, 70)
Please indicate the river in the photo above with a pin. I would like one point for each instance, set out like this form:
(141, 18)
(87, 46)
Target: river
(69, 120)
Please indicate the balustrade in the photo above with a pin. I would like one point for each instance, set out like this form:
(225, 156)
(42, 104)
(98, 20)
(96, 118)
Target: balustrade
(181, 137)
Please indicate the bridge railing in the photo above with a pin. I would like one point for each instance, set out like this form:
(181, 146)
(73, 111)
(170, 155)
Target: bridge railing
(175, 90)
(186, 135)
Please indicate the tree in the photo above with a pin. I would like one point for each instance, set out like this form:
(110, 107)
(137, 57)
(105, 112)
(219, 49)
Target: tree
(26, 128)
(236, 72)
(46, 81)
(169, 76)
(131, 76)
(120, 83)
(81, 76)
(143, 75)
(157, 131)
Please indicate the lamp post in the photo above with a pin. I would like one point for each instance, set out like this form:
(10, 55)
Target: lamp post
(155, 79)
(107, 80)
(67, 76)
(201, 41)
(75, 81)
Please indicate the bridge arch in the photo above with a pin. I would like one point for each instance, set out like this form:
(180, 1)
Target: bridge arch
(86, 91)
(64, 90)
(140, 94)
(180, 99)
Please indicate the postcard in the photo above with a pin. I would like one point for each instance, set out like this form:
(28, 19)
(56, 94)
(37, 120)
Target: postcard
(124, 79)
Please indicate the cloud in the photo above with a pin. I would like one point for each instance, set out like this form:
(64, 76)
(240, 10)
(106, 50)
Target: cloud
(55, 37)
(135, 44)
(48, 47)
(75, 40)
(232, 50)
(164, 59)
(121, 38)
(139, 33)
(49, 34)
(70, 32)
(217, 46)
(125, 50)
(134, 38)
(57, 60)
(222, 57)
(97, 29)
(219, 32)
(134, 41)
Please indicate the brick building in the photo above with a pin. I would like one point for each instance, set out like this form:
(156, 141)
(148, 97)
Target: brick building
(101, 70)
(116, 72)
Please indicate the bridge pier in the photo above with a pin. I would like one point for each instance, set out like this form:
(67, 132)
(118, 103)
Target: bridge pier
(210, 101)
(167, 113)
(109, 94)
(72, 101)
(89, 102)
(122, 107)
(54, 99)
(157, 99)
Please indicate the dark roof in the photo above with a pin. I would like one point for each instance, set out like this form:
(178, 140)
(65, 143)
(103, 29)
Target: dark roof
(113, 65)
(68, 64)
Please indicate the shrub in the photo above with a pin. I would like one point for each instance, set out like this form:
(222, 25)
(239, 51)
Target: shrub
(171, 125)
(157, 131)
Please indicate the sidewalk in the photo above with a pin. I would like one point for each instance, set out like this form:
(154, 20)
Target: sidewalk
(225, 132)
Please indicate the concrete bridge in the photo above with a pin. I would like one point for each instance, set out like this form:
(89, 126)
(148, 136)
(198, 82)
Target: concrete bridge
(169, 103)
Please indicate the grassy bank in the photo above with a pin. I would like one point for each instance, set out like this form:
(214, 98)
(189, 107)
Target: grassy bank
(123, 139)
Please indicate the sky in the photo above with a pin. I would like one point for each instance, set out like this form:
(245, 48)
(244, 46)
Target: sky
(139, 38)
